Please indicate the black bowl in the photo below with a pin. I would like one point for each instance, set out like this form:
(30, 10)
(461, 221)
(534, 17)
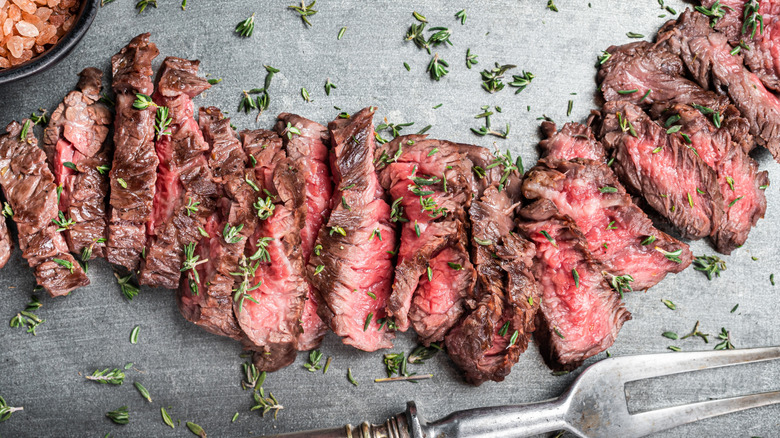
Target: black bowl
(57, 52)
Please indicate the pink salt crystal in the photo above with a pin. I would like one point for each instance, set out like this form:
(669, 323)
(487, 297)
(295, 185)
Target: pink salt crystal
(25, 5)
(43, 13)
(68, 23)
(38, 48)
(46, 35)
(8, 26)
(53, 3)
(4, 63)
(40, 2)
(26, 29)
(2, 3)
(15, 45)
(14, 13)
(28, 43)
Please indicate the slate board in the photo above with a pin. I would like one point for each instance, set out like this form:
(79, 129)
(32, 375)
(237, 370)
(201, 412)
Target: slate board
(196, 375)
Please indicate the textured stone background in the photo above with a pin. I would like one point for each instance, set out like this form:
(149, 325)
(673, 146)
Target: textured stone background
(197, 375)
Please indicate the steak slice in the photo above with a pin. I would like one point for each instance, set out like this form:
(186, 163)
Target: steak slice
(134, 171)
(617, 232)
(271, 291)
(707, 55)
(6, 244)
(580, 314)
(661, 168)
(575, 140)
(507, 295)
(185, 193)
(353, 273)
(207, 300)
(430, 182)
(28, 186)
(310, 149)
(75, 144)
(644, 66)
(761, 54)
(741, 184)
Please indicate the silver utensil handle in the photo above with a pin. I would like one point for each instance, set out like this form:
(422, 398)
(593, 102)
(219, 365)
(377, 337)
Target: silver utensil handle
(496, 422)
(395, 427)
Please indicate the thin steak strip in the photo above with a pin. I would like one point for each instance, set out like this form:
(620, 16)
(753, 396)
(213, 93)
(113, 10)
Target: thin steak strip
(207, 300)
(489, 340)
(271, 290)
(575, 140)
(662, 169)
(185, 193)
(28, 186)
(6, 244)
(707, 55)
(134, 170)
(310, 150)
(75, 143)
(580, 314)
(354, 272)
(430, 182)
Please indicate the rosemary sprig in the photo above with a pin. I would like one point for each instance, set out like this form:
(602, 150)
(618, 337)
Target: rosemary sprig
(304, 11)
(39, 120)
(266, 404)
(461, 15)
(752, 19)
(313, 365)
(119, 416)
(419, 355)
(253, 378)
(395, 363)
(231, 234)
(264, 207)
(671, 255)
(113, 377)
(63, 223)
(715, 12)
(162, 122)
(621, 283)
(27, 317)
(437, 68)
(262, 253)
(191, 261)
(6, 411)
(710, 265)
(246, 27)
(129, 289)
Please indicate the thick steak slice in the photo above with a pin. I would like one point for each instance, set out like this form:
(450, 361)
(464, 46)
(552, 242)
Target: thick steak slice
(75, 143)
(28, 186)
(507, 295)
(353, 272)
(185, 193)
(310, 149)
(430, 182)
(575, 140)
(739, 180)
(644, 66)
(618, 233)
(134, 171)
(707, 55)
(207, 300)
(580, 314)
(272, 289)
(663, 169)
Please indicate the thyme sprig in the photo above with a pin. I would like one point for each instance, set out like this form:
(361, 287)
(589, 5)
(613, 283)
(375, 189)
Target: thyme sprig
(621, 283)
(246, 272)
(487, 129)
(521, 81)
(508, 163)
(752, 19)
(710, 265)
(162, 122)
(191, 207)
(246, 27)
(128, 288)
(62, 222)
(419, 355)
(697, 332)
(313, 365)
(27, 317)
(142, 4)
(304, 11)
(106, 376)
(471, 59)
(725, 338)
(266, 404)
(6, 411)
(191, 261)
(673, 256)
(7, 212)
(437, 68)
(253, 378)
(121, 415)
(715, 12)
(329, 86)
(262, 253)
(492, 79)
(232, 234)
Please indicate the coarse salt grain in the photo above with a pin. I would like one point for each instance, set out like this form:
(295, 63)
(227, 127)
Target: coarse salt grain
(26, 29)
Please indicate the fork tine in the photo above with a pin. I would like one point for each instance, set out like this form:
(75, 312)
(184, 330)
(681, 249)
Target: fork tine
(632, 368)
(646, 423)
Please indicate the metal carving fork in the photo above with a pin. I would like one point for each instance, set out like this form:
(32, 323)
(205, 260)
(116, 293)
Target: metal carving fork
(594, 406)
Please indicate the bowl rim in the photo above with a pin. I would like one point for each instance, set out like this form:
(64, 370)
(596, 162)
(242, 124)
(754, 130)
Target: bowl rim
(57, 52)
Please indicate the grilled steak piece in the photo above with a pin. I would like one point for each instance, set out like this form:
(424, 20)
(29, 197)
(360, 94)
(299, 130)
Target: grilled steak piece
(663, 169)
(580, 314)
(353, 272)
(310, 149)
(6, 244)
(74, 142)
(207, 300)
(741, 184)
(507, 295)
(574, 141)
(644, 66)
(430, 182)
(185, 193)
(707, 55)
(617, 232)
(761, 53)
(134, 171)
(28, 186)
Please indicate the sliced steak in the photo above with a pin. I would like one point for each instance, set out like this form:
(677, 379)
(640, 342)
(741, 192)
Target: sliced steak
(6, 244)
(663, 169)
(489, 340)
(618, 233)
(207, 300)
(430, 182)
(28, 186)
(741, 184)
(575, 140)
(644, 66)
(580, 314)
(310, 149)
(75, 143)
(134, 171)
(353, 272)
(707, 55)
(185, 193)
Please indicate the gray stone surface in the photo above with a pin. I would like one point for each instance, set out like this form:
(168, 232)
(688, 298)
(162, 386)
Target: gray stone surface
(196, 375)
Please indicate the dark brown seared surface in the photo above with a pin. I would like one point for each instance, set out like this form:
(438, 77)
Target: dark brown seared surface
(615, 229)
(134, 170)
(28, 186)
(353, 272)
(311, 150)
(706, 54)
(506, 294)
(185, 193)
(580, 313)
(663, 169)
(575, 140)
